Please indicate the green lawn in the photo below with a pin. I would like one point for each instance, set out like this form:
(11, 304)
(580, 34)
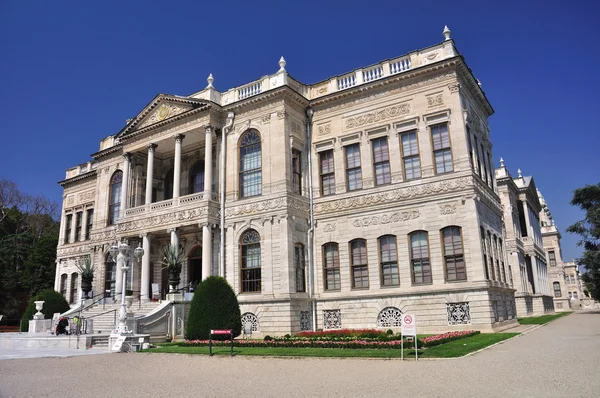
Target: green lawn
(452, 349)
(540, 320)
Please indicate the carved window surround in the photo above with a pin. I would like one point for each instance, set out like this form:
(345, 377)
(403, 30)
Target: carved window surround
(407, 125)
(437, 117)
(349, 139)
(378, 132)
(324, 145)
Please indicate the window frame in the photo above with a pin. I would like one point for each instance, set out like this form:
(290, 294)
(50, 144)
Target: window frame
(355, 168)
(300, 267)
(78, 225)
(363, 266)
(244, 261)
(413, 260)
(329, 174)
(382, 264)
(241, 173)
(89, 224)
(404, 157)
(198, 168)
(335, 268)
(68, 227)
(552, 258)
(114, 203)
(297, 171)
(387, 176)
(446, 256)
(442, 149)
(554, 285)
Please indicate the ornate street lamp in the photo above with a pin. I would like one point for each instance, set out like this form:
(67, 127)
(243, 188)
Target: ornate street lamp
(126, 254)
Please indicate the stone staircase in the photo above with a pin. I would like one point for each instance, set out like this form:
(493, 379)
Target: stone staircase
(105, 317)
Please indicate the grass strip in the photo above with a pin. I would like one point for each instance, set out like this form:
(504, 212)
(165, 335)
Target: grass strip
(540, 320)
(452, 349)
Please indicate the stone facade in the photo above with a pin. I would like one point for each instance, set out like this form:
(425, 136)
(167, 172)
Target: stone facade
(346, 203)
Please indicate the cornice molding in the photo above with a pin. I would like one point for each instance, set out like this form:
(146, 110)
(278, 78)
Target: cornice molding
(64, 183)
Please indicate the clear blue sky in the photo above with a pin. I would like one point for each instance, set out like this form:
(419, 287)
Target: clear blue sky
(72, 72)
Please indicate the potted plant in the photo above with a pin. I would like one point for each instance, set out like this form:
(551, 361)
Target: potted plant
(172, 258)
(86, 270)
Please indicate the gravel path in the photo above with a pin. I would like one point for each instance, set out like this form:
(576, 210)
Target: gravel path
(557, 360)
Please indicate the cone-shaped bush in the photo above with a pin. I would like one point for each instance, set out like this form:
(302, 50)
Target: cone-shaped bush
(54, 302)
(214, 306)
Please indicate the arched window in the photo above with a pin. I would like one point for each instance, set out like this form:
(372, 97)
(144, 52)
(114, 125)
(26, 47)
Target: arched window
(197, 177)
(114, 207)
(331, 266)
(454, 259)
(169, 185)
(250, 164)
(74, 287)
(300, 265)
(419, 258)
(557, 292)
(250, 249)
(63, 285)
(388, 259)
(358, 263)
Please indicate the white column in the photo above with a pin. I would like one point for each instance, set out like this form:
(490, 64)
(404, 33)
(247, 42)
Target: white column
(84, 217)
(73, 226)
(174, 237)
(124, 185)
(177, 169)
(119, 276)
(145, 290)
(206, 250)
(208, 175)
(150, 173)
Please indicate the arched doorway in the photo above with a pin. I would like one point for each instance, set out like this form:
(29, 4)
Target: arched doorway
(195, 266)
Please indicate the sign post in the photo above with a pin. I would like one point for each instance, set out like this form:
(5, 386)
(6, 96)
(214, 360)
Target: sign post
(220, 332)
(409, 328)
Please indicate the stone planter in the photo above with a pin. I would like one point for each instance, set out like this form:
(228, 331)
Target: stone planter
(86, 287)
(174, 278)
(38, 306)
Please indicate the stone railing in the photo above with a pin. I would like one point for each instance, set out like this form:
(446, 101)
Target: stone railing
(181, 203)
(249, 90)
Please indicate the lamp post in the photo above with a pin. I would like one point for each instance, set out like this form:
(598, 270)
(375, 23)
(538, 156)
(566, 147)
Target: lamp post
(126, 256)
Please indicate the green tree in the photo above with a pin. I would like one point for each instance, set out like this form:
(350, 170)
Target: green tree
(214, 306)
(40, 266)
(54, 302)
(588, 199)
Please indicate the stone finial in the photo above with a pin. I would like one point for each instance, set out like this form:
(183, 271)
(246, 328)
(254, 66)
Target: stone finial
(446, 33)
(479, 83)
(519, 173)
(282, 64)
(210, 79)
(501, 162)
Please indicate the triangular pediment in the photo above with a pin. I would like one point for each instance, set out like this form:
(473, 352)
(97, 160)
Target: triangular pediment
(162, 108)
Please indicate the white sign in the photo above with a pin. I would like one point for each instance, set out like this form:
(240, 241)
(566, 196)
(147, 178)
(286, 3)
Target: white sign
(409, 325)
(119, 343)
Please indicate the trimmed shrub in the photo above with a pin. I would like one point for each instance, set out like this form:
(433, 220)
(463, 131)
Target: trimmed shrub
(54, 302)
(214, 306)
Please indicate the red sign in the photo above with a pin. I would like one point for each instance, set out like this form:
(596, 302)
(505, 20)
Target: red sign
(408, 319)
(225, 331)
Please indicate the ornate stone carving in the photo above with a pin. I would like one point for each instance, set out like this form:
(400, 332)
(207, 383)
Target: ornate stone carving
(454, 87)
(330, 227)
(165, 219)
(265, 118)
(448, 208)
(250, 318)
(70, 200)
(164, 111)
(73, 250)
(281, 114)
(305, 323)
(265, 205)
(373, 117)
(86, 196)
(394, 195)
(296, 127)
(389, 317)
(104, 236)
(435, 100)
(324, 129)
(386, 219)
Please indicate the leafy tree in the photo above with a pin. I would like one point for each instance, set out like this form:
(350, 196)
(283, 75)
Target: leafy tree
(588, 199)
(214, 306)
(40, 266)
(54, 302)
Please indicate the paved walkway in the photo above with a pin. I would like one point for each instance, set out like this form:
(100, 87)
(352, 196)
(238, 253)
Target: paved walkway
(557, 360)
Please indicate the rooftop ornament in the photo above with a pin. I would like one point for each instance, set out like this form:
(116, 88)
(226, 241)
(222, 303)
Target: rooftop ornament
(519, 172)
(501, 162)
(210, 79)
(282, 64)
(446, 33)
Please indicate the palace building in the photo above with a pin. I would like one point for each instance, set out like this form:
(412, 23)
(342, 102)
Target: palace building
(339, 204)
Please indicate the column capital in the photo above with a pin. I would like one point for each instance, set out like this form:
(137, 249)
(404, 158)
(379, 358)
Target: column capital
(209, 129)
(145, 235)
(179, 137)
(152, 147)
(127, 156)
(169, 230)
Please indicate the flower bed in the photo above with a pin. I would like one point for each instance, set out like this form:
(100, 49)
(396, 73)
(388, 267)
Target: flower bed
(356, 333)
(438, 339)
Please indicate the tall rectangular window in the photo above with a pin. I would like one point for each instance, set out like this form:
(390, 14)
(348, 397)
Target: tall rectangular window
(68, 226)
(90, 223)
(300, 265)
(327, 172)
(389, 261)
(470, 148)
(485, 170)
(78, 221)
(557, 292)
(489, 159)
(331, 266)
(353, 170)
(419, 258)
(454, 258)
(485, 254)
(358, 264)
(410, 156)
(552, 258)
(477, 157)
(442, 152)
(381, 161)
(297, 171)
